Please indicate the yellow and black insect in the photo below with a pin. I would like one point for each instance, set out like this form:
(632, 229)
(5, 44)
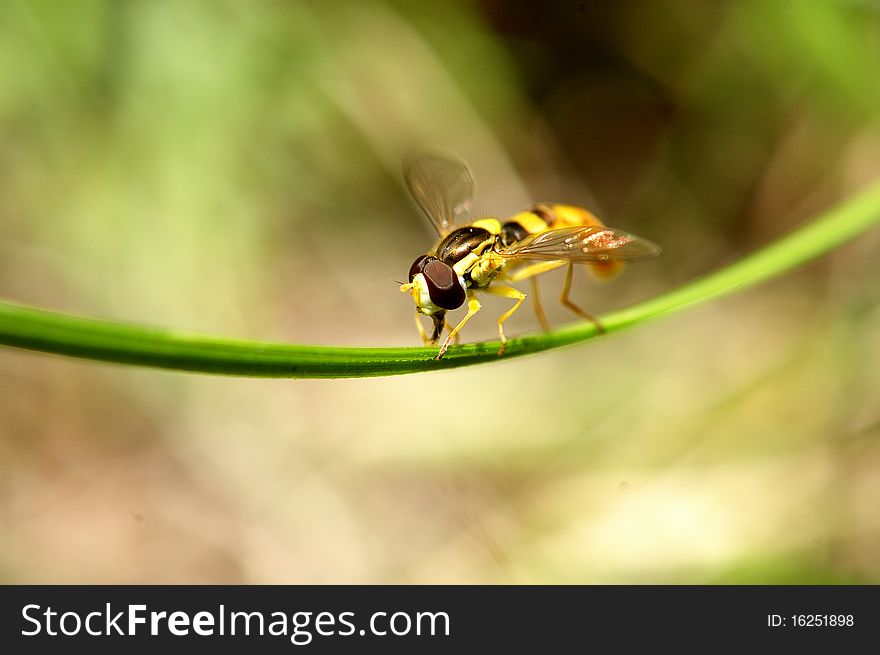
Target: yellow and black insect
(485, 254)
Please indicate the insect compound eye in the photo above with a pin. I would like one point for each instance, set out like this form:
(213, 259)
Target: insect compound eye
(444, 287)
(418, 266)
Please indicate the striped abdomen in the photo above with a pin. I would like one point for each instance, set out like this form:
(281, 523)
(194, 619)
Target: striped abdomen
(547, 216)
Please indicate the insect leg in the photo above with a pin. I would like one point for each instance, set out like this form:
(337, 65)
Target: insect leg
(539, 310)
(532, 270)
(421, 329)
(457, 337)
(473, 308)
(439, 320)
(564, 299)
(506, 292)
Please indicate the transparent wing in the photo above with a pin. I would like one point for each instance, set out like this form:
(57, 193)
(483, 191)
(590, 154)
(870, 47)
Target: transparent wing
(583, 244)
(440, 184)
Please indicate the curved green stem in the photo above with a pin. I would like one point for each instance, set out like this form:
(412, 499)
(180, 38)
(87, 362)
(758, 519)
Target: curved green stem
(38, 329)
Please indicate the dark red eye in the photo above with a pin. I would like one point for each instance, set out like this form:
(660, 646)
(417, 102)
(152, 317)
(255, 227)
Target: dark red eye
(444, 287)
(418, 266)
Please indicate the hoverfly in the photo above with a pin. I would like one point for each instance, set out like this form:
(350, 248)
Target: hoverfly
(485, 254)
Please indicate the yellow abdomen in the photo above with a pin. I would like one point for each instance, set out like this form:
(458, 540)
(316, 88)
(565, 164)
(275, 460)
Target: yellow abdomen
(549, 216)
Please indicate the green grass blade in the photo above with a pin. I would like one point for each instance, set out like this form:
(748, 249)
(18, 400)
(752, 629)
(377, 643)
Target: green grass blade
(108, 341)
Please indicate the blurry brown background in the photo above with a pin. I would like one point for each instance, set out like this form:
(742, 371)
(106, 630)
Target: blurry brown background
(234, 168)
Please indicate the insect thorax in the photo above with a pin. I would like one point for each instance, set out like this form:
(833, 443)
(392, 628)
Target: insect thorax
(484, 269)
(462, 242)
(470, 250)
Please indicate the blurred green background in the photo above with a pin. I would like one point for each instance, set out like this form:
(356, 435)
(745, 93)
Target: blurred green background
(233, 167)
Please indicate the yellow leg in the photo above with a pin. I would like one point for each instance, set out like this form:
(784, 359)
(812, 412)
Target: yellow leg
(455, 337)
(531, 270)
(568, 303)
(539, 310)
(473, 308)
(506, 292)
(425, 339)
